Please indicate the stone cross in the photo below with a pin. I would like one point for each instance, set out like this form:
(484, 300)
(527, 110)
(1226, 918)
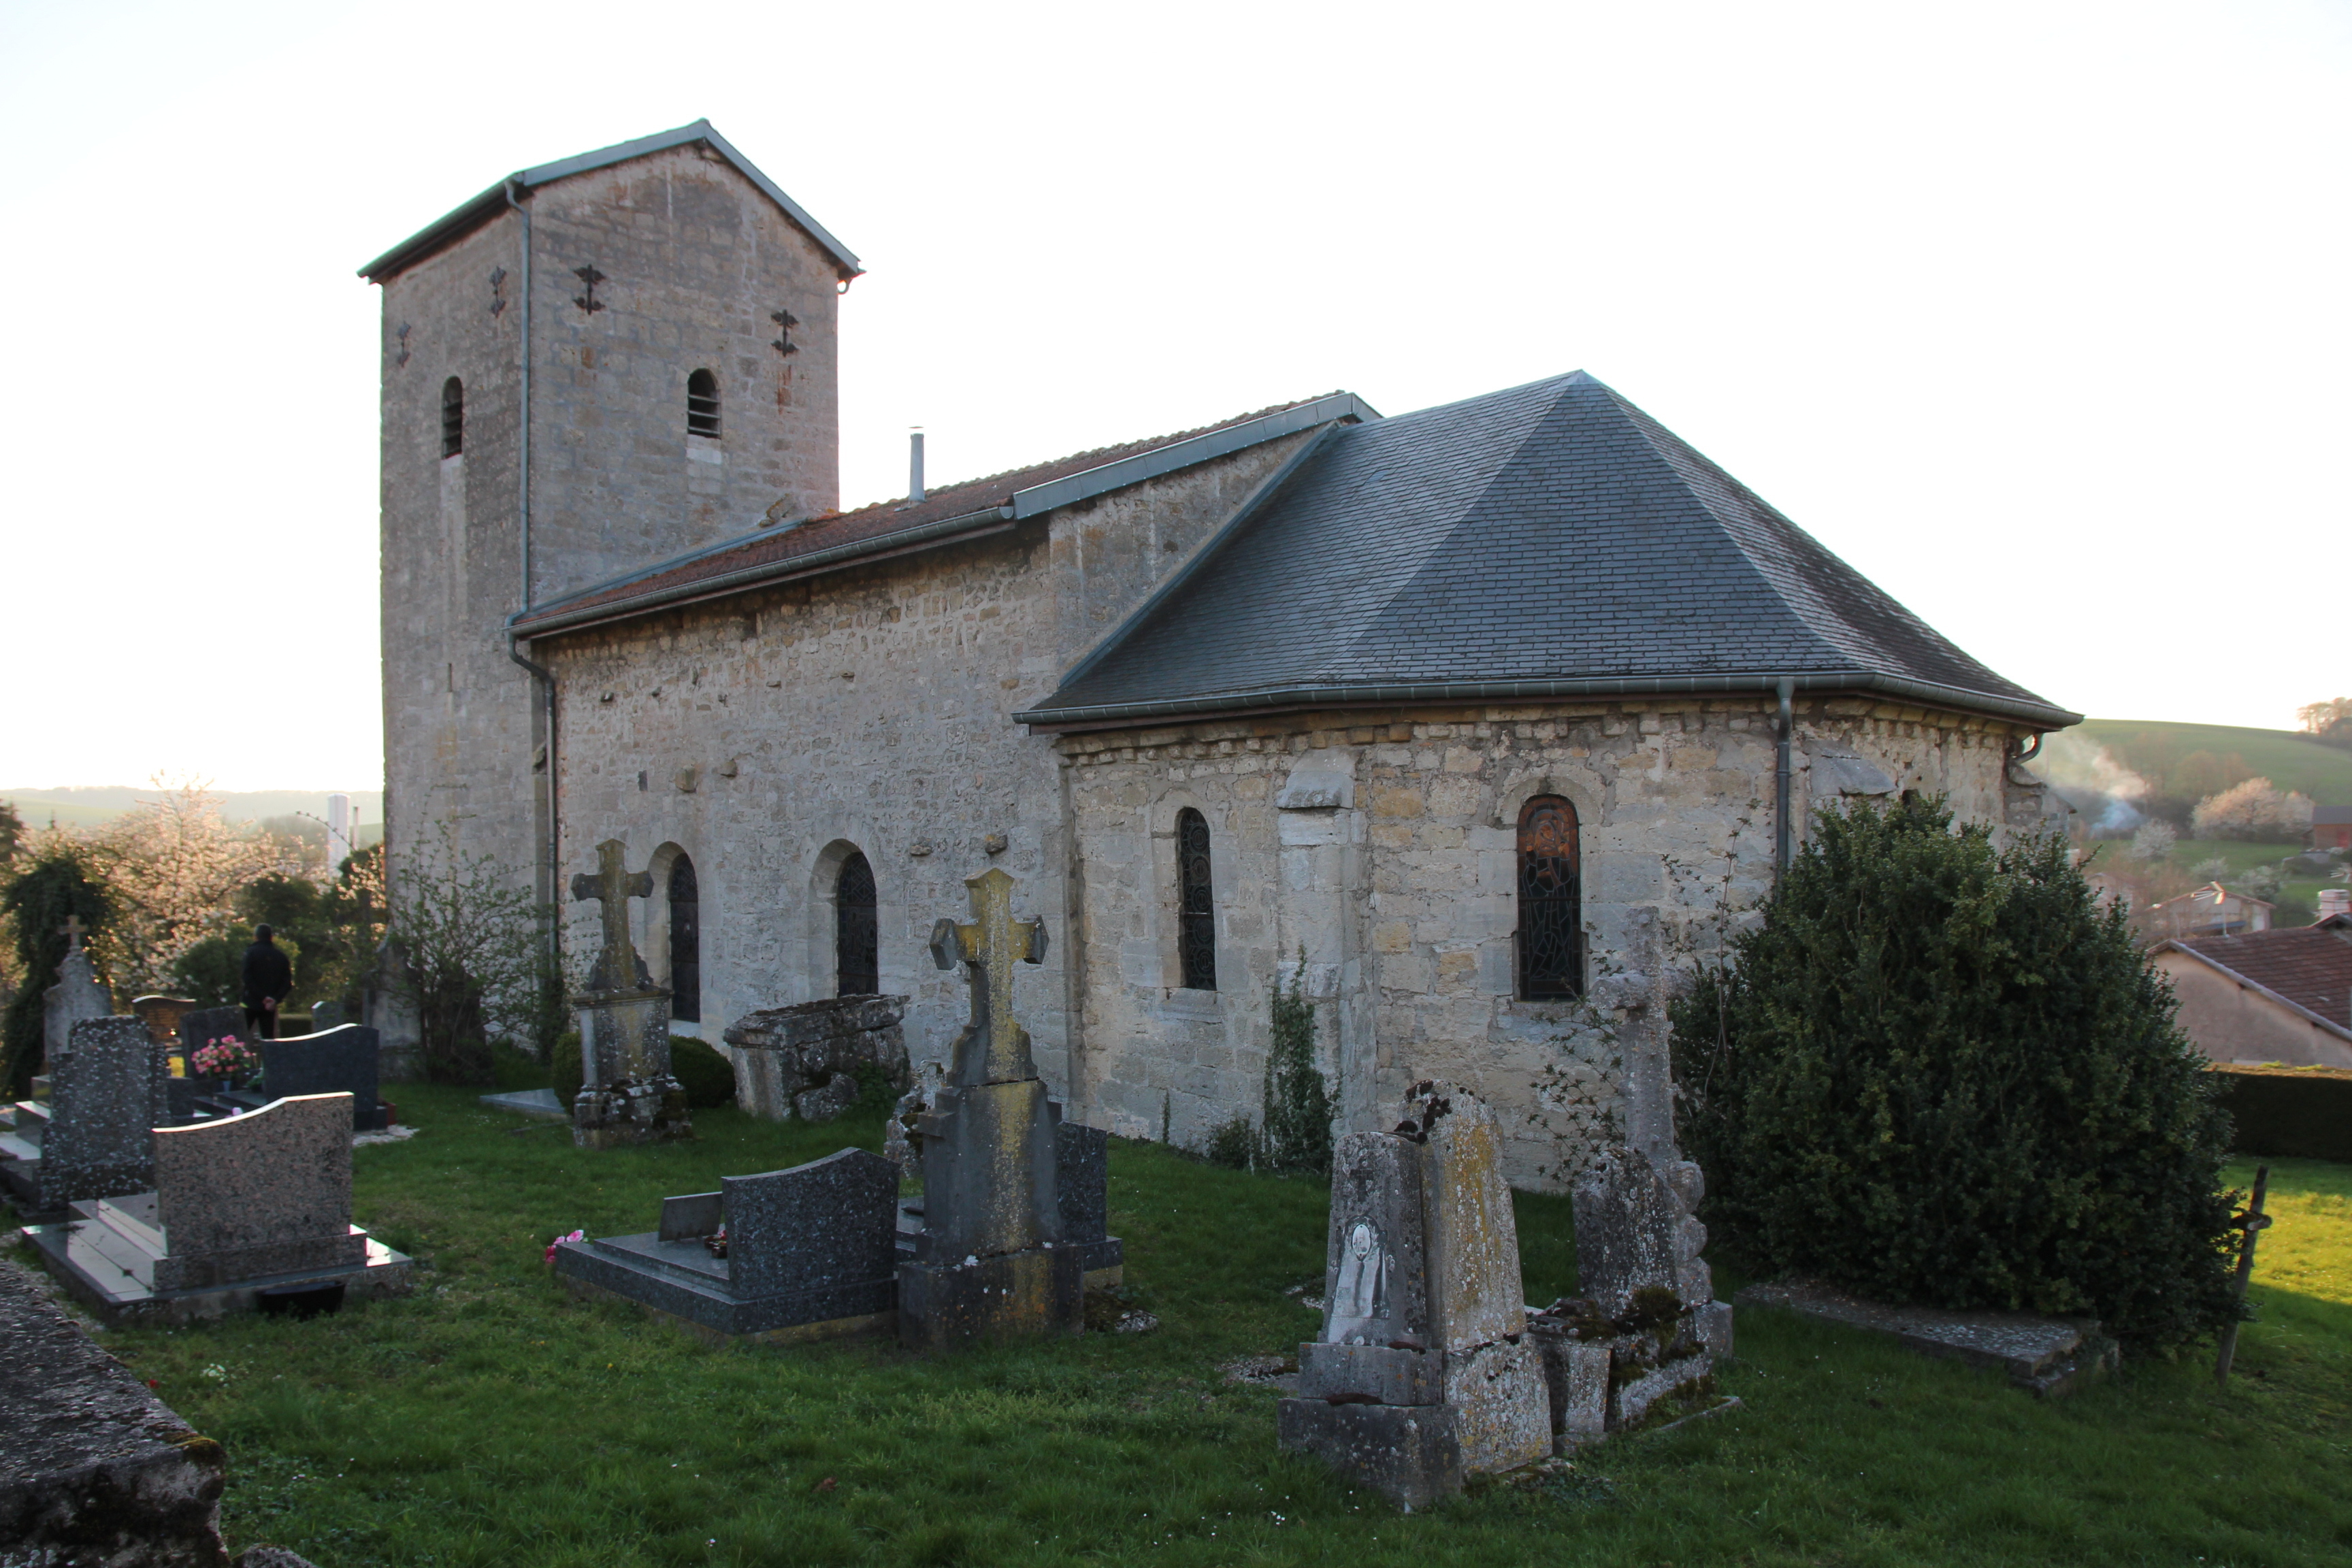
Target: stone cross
(613, 885)
(991, 944)
(73, 930)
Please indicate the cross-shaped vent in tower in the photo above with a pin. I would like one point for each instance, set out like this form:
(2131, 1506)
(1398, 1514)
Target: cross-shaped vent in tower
(590, 276)
(785, 322)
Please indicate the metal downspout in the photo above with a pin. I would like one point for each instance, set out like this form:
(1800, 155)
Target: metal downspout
(540, 673)
(1781, 837)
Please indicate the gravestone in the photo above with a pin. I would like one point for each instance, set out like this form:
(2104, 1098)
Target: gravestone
(1647, 1326)
(76, 995)
(162, 1014)
(106, 1098)
(330, 1014)
(801, 1060)
(201, 1026)
(338, 1061)
(987, 1264)
(385, 1007)
(1423, 1375)
(238, 1206)
(627, 1093)
(805, 1253)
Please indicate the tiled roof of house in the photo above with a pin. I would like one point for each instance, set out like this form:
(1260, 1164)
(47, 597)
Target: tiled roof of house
(2311, 966)
(1551, 539)
(2331, 816)
(949, 510)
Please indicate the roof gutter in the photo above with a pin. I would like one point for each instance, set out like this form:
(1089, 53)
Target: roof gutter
(2257, 987)
(1116, 714)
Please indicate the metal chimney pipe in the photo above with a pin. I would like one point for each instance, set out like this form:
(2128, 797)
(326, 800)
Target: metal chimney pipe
(915, 466)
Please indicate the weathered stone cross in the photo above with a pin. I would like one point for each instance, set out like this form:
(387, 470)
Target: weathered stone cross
(614, 884)
(73, 928)
(990, 944)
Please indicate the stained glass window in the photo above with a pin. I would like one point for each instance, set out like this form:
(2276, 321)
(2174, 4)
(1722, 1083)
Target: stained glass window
(1196, 916)
(685, 944)
(856, 931)
(1551, 914)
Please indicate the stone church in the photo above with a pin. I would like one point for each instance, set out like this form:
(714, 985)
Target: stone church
(1481, 723)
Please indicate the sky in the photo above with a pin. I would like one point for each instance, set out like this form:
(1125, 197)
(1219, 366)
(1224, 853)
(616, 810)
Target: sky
(2035, 313)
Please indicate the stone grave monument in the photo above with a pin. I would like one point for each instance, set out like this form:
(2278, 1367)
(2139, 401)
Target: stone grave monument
(162, 1014)
(1647, 1326)
(106, 1098)
(340, 1060)
(1422, 1374)
(801, 1061)
(627, 1093)
(386, 1007)
(76, 995)
(987, 1263)
(237, 1206)
(807, 1253)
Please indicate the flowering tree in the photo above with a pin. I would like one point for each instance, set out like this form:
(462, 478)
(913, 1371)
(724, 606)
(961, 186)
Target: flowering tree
(2154, 841)
(472, 957)
(172, 869)
(2256, 810)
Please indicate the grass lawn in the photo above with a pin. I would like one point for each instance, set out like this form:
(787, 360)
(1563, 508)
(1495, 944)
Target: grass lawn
(490, 1420)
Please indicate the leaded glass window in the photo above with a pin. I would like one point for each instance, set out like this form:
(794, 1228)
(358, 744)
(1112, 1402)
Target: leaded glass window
(1196, 908)
(685, 944)
(857, 930)
(1551, 914)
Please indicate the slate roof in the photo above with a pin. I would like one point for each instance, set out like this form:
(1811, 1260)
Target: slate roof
(2310, 966)
(955, 511)
(1547, 540)
(454, 225)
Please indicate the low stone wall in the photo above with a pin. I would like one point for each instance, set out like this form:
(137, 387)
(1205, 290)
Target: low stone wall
(800, 1061)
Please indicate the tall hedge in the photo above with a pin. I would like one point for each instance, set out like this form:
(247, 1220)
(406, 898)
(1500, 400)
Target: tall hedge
(39, 901)
(1937, 1073)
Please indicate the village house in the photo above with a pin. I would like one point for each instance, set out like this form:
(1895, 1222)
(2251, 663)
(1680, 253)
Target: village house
(2331, 828)
(1483, 724)
(2211, 910)
(2280, 995)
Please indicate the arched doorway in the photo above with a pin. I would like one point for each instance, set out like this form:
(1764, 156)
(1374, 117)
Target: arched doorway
(856, 931)
(685, 944)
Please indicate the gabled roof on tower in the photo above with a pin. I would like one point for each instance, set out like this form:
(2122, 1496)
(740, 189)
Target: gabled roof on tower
(456, 224)
(1551, 541)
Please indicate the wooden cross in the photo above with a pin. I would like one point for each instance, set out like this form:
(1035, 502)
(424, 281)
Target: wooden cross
(614, 884)
(990, 944)
(73, 928)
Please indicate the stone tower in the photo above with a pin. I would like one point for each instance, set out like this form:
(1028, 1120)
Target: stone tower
(593, 366)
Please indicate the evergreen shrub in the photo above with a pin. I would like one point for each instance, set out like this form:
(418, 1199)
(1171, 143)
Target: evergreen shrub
(39, 901)
(565, 1074)
(1938, 1073)
(1296, 1108)
(708, 1076)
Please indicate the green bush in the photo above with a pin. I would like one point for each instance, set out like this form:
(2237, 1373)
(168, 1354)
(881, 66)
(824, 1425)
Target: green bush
(39, 901)
(1937, 1073)
(2303, 1112)
(564, 1074)
(1235, 1144)
(707, 1075)
(1298, 1107)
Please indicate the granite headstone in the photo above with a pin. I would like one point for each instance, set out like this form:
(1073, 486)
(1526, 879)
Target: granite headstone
(106, 1097)
(340, 1061)
(267, 1193)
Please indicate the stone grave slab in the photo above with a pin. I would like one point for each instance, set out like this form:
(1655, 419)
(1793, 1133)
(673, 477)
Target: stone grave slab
(106, 1098)
(93, 1466)
(239, 1205)
(1423, 1375)
(342, 1060)
(808, 1253)
(787, 1059)
(628, 1094)
(2044, 1356)
(539, 1103)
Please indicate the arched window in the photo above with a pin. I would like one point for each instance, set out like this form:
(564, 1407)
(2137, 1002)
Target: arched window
(685, 944)
(1551, 901)
(453, 417)
(1196, 905)
(856, 934)
(702, 404)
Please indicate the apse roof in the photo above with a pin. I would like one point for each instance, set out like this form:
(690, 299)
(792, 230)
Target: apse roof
(1547, 540)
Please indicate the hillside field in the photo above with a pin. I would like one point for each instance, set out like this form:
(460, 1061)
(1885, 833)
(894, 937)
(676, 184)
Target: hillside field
(2288, 759)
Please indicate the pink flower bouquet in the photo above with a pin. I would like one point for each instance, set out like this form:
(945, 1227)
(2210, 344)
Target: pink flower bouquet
(575, 1236)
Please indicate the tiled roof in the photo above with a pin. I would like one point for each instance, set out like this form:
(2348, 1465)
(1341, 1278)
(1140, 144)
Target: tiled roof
(2311, 966)
(888, 525)
(1549, 539)
(2331, 816)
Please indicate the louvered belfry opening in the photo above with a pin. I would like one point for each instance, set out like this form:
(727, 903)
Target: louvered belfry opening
(857, 930)
(1196, 916)
(1551, 901)
(453, 417)
(685, 944)
(702, 404)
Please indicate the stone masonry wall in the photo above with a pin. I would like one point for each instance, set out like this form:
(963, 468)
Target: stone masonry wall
(768, 735)
(695, 259)
(1384, 847)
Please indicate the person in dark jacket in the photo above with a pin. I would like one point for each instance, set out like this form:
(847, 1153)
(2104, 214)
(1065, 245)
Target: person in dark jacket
(268, 978)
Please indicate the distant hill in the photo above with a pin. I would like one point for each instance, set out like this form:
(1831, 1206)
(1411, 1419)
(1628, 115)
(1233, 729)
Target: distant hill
(2179, 758)
(88, 806)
